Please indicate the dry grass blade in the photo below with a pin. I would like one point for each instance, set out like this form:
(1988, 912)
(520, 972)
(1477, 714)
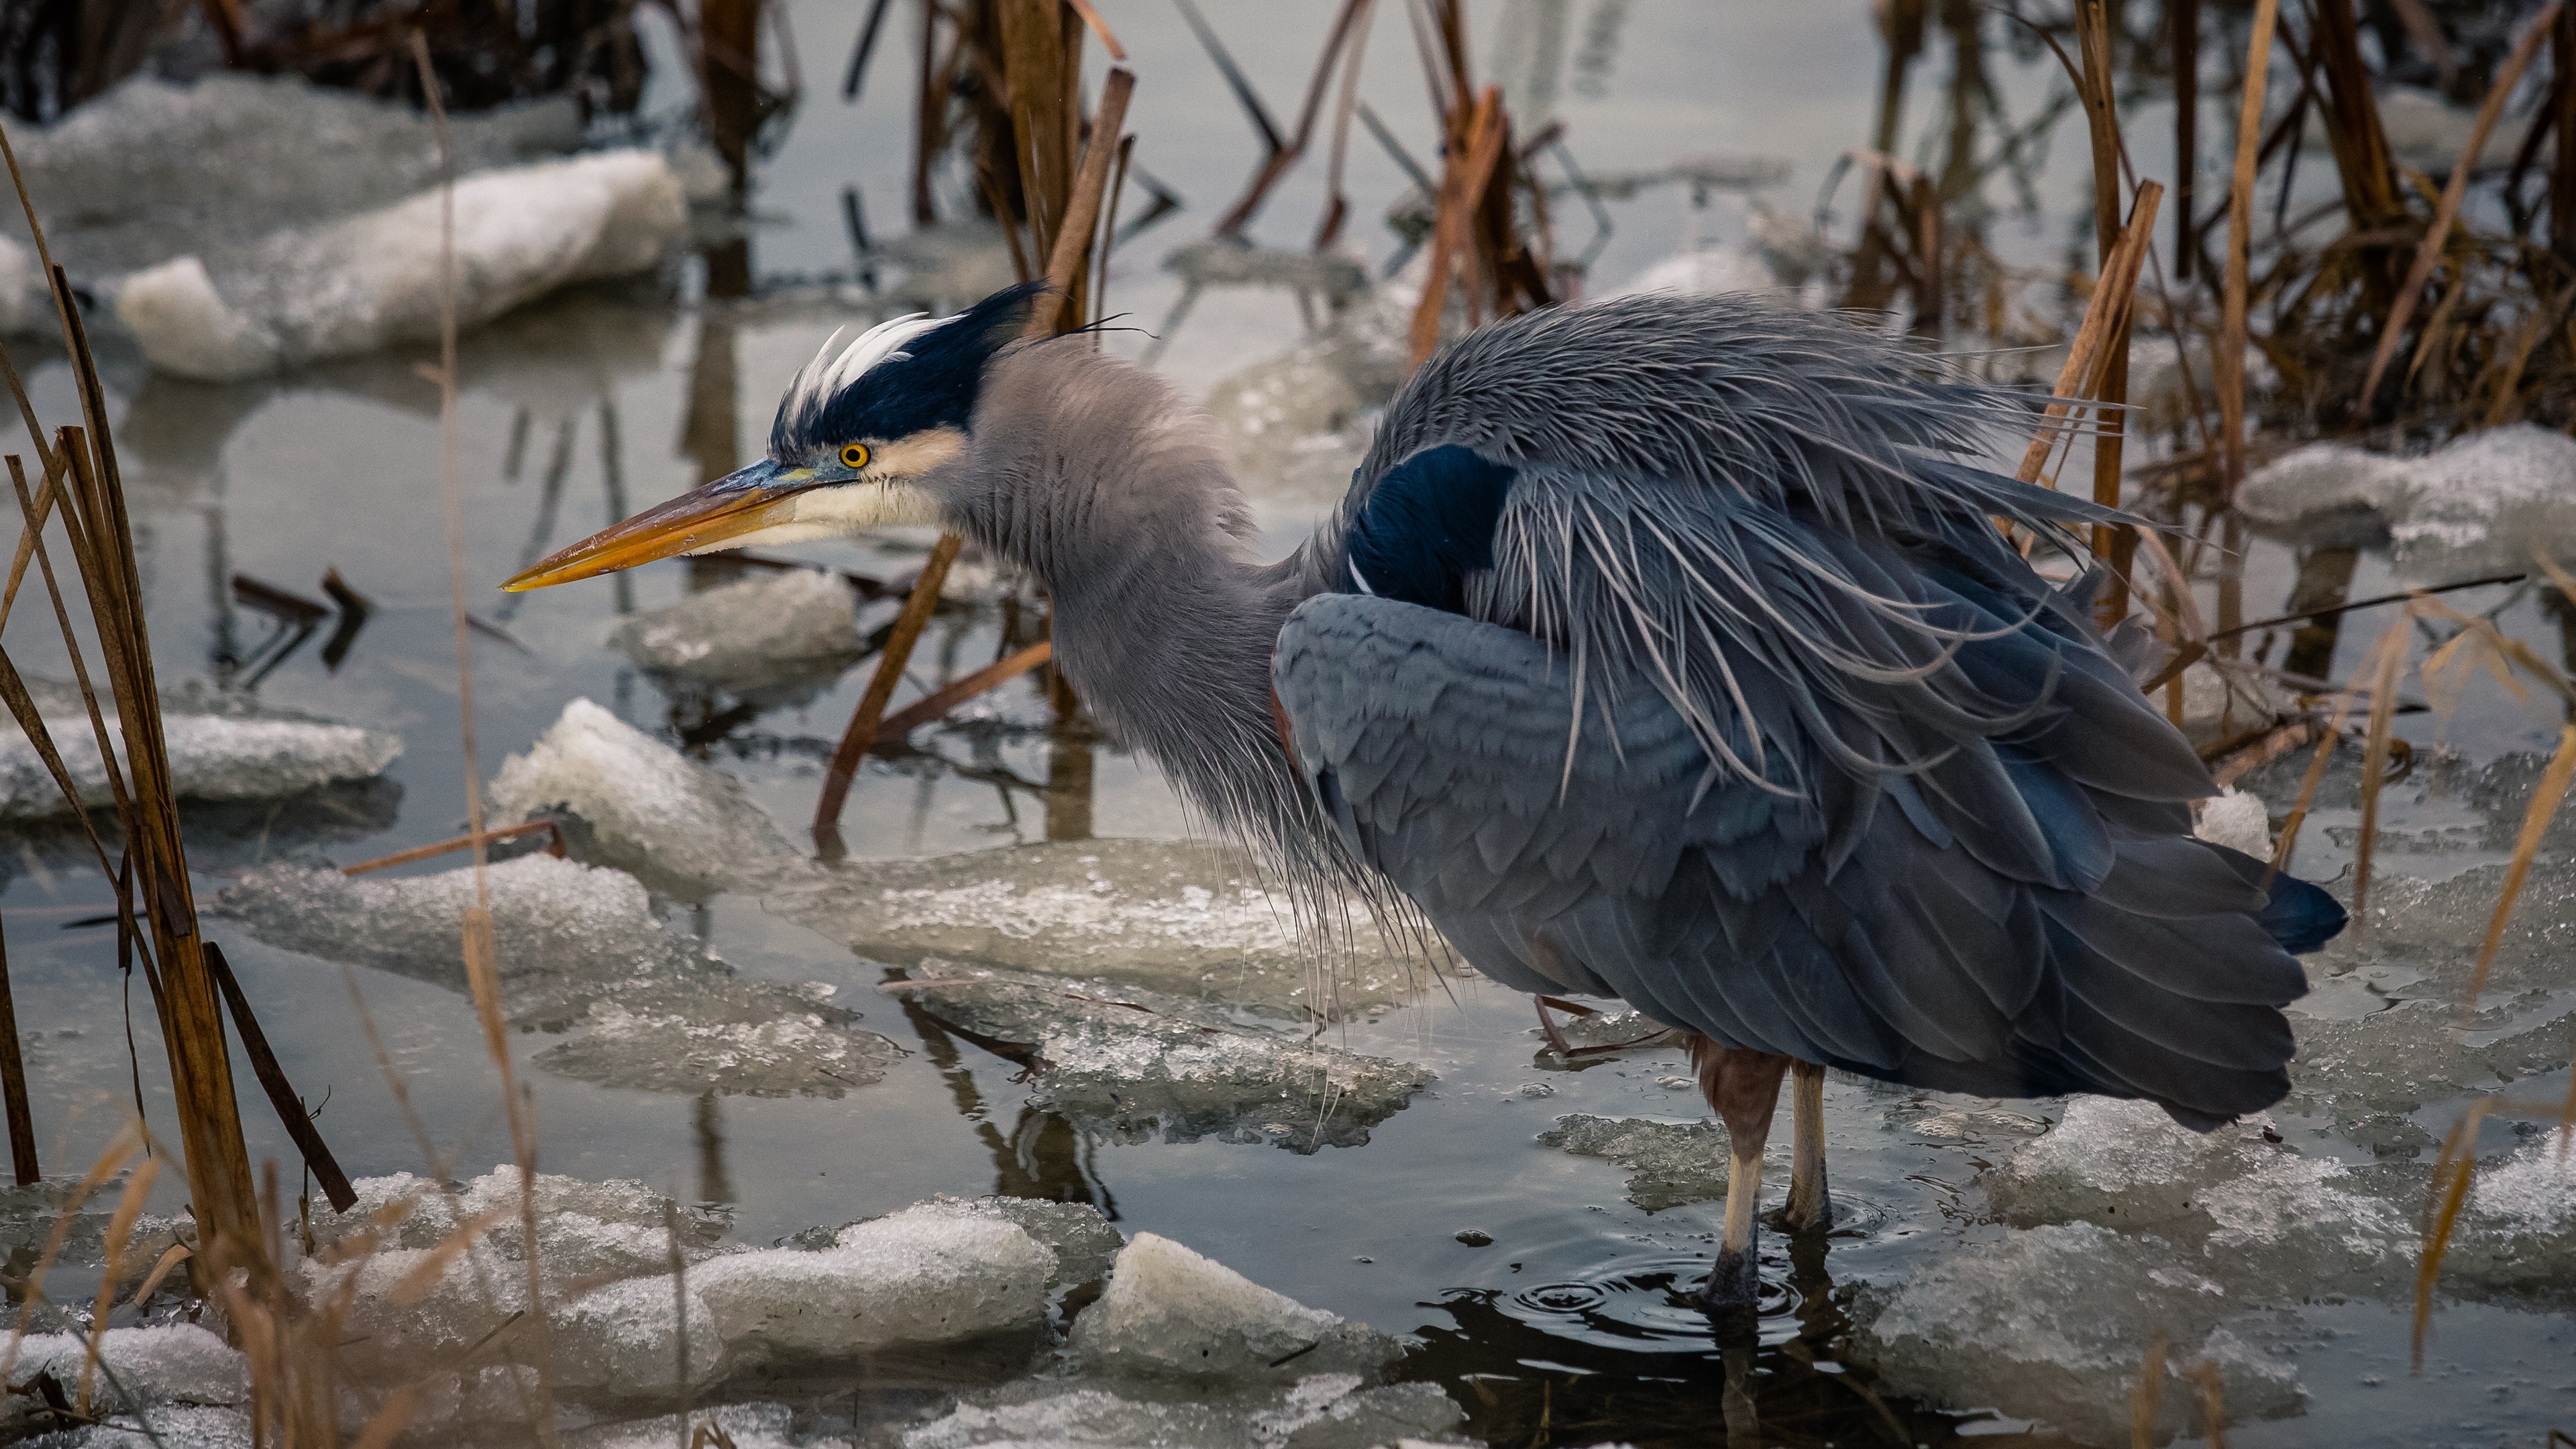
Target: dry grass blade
(2315, 777)
(2213, 1402)
(32, 1292)
(171, 1257)
(482, 966)
(2447, 210)
(120, 1229)
(390, 1420)
(2147, 1397)
(2230, 361)
(2389, 659)
(2545, 800)
(415, 1285)
(2452, 1172)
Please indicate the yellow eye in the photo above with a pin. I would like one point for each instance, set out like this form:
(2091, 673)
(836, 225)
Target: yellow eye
(854, 456)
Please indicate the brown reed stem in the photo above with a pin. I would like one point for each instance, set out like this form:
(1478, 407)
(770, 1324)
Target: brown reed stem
(2229, 364)
(13, 1083)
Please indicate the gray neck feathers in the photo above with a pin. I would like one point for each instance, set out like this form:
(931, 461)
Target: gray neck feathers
(1101, 481)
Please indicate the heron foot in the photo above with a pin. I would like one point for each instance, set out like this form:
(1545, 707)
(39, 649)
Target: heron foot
(1734, 1280)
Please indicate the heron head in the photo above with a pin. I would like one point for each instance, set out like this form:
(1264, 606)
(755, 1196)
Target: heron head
(857, 431)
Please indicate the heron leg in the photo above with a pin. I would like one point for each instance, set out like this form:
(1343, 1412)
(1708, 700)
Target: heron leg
(1809, 1207)
(1744, 1088)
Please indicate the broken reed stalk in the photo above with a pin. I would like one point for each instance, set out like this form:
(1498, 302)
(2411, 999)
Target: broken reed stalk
(13, 1085)
(2447, 210)
(1282, 157)
(2184, 17)
(481, 947)
(1065, 232)
(2229, 364)
(94, 517)
(2099, 87)
(2104, 319)
(1476, 137)
(864, 722)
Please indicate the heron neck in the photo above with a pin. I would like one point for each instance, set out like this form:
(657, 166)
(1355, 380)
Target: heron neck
(1101, 481)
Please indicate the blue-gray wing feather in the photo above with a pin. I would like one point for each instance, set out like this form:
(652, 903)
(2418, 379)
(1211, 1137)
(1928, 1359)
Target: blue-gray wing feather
(1991, 926)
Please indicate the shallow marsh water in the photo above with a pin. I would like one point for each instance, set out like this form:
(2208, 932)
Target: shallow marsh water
(1547, 1298)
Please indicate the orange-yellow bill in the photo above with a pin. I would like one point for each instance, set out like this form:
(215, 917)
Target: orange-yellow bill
(742, 502)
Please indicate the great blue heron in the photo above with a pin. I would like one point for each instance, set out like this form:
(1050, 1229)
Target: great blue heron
(1664, 649)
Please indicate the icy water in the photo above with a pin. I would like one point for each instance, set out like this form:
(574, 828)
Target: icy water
(1546, 1282)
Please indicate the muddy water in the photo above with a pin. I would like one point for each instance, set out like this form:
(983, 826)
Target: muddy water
(1548, 1301)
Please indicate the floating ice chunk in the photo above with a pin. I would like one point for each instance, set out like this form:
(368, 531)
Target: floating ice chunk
(752, 631)
(168, 1426)
(2263, 1212)
(1171, 1312)
(1320, 1411)
(2424, 130)
(2328, 493)
(1704, 269)
(214, 756)
(2481, 501)
(2224, 704)
(179, 1362)
(585, 1229)
(1187, 919)
(643, 807)
(2236, 820)
(745, 1426)
(367, 281)
(2053, 1324)
(623, 1341)
(578, 948)
(1138, 1065)
(150, 168)
(911, 1279)
(1169, 1079)
(1669, 1163)
(1082, 1240)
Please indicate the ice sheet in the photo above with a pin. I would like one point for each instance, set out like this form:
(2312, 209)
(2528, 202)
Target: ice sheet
(1320, 1411)
(2054, 1324)
(1177, 1082)
(911, 1279)
(783, 624)
(217, 752)
(1186, 919)
(367, 281)
(1669, 1163)
(1169, 1312)
(156, 1365)
(579, 950)
(684, 828)
(2476, 504)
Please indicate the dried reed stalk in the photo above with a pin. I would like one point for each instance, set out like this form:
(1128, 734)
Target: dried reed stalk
(1475, 146)
(1065, 218)
(481, 949)
(94, 517)
(864, 722)
(2229, 364)
(2087, 357)
(2438, 233)
(13, 1085)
